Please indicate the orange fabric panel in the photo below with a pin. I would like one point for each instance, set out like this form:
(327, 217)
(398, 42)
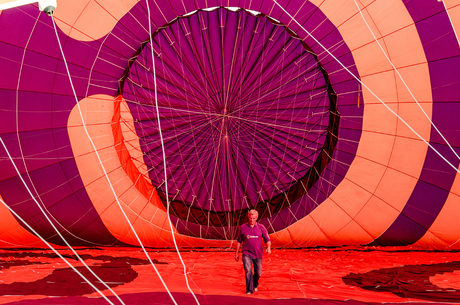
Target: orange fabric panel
(90, 19)
(144, 210)
(391, 18)
(126, 160)
(379, 146)
(338, 11)
(395, 188)
(453, 8)
(408, 156)
(131, 200)
(375, 216)
(372, 183)
(400, 47)
(362, 181)
(131, 139)
(414, 117)
(354, 233)
(12, 234)
(331, 218)
(300, 234)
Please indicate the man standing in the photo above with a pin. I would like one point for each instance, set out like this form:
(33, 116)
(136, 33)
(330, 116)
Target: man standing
(251, 235)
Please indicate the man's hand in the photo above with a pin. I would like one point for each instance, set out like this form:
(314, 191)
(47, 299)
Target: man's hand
(237, 251)
(268, 251)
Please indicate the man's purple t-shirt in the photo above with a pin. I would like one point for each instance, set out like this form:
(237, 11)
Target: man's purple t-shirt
(252, 239)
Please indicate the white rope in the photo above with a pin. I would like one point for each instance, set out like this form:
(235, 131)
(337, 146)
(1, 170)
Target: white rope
(370, 91)
(30, 192)
(19, 139)
(49, 245)
(102, 165)
(400, 77)
(164, 153)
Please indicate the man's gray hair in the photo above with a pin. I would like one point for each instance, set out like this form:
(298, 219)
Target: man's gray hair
(250, 212)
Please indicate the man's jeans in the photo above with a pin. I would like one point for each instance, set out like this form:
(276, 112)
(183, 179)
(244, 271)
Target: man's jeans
(252, 281)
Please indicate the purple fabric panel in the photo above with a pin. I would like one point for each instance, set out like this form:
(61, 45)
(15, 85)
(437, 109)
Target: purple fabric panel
(38, 149)
(250, 5)
(444, 77)
(33, 111)
(28, 152)
(44, 102)
(303, 207)
(206, 3)
(301, 11)
(113, 49)
(420, 10)
(345, 152)
(41, 61)
(284, 219)
(68, 204)
(159, 14)
(186, 7)
(271, 9)
(266, 74)
(432, 28)
(433, 188)
(424, 209)
(61, 85)
(81, 58)
(318, 32)
(18, 36)
(10, 68)
(43, 134)
(449, 124)
(435, 170)
(51, 178)
(349, 147)
(8, 113)
(130, 31)
(60, 104)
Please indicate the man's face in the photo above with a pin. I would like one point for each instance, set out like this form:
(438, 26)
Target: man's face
(252, 219)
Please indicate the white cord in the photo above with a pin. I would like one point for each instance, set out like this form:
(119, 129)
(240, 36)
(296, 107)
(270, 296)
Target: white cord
(362, 84)
(164, 153)
(49, 245)
(401, 78)
(102, 165)
(35, 200)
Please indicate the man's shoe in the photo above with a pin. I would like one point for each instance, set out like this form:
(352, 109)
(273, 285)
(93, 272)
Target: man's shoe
(249, 292)
(255, 289)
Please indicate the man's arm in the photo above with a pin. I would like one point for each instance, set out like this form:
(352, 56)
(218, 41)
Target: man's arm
(266, 239)
(269, 247)
(237, 250)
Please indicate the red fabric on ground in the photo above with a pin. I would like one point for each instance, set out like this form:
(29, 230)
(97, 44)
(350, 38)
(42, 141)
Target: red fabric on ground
(162, 298)
(408, 281)
(298, 276)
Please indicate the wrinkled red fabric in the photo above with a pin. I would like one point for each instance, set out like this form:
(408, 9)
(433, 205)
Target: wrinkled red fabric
(290, 276)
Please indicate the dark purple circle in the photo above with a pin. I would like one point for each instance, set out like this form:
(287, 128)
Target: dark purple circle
(245, 110)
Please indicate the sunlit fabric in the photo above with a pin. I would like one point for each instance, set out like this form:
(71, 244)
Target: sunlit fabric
(313, 113)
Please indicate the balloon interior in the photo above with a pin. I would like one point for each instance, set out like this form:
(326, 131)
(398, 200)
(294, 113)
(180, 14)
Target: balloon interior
(149, 127)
